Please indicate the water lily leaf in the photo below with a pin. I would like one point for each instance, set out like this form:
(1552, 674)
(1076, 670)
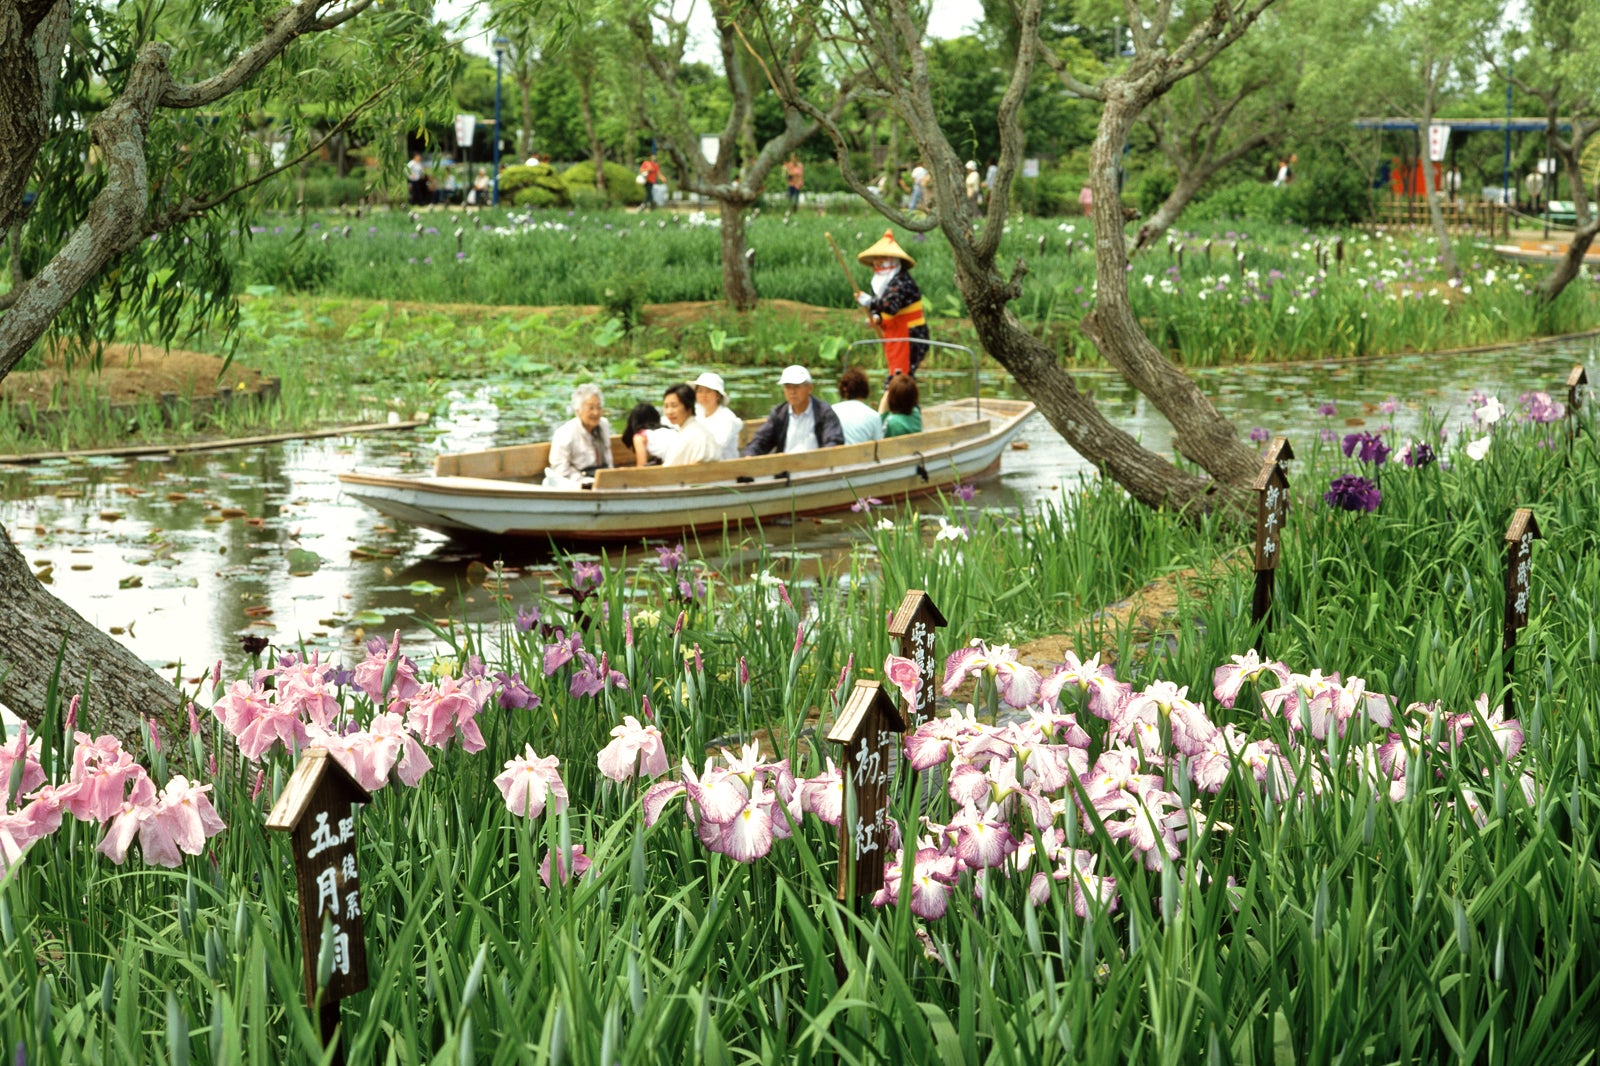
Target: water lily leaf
(303, 563)
(367, 618)
(423, 588)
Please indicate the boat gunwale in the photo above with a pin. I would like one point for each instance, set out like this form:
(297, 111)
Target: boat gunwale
(458, 485)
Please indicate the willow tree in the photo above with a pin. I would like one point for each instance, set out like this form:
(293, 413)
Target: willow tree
(1557, 49)
(735, 177)
(138, 147)
(882, 44)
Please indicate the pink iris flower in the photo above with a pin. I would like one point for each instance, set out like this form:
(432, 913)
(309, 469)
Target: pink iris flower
(529, 782)
(102, 771)
(439, 711)
(19, 750)
(303, 689)
(125, 822)
(936, 740)
(905, 676)
(982, 840)
(633, 746)
(1017, 683)
(580, 864)
(369, 674)
(1086, 675)
(823, 795)
(1228, 679)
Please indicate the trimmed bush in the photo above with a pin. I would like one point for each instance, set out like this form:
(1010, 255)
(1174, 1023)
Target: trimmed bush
(1251, 201)
(621, 188)
(519, 179)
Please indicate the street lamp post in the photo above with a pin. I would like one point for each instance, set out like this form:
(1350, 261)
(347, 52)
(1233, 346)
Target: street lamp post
(500, 44)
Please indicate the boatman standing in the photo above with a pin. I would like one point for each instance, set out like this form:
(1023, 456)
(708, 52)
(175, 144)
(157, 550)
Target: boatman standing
(895, 305)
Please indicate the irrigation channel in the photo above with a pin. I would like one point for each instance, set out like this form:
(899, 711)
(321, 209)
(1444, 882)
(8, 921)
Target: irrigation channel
(181, 556)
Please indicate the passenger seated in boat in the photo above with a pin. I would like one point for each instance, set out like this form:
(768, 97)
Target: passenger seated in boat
(859, 421)
(644, 423)
(693, 442)
(581, 445)
(899, 409)
(802, 423)
(711, 405)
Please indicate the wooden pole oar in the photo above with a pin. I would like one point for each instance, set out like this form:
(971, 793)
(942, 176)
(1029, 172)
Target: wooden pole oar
(851, 278)
(837, 254)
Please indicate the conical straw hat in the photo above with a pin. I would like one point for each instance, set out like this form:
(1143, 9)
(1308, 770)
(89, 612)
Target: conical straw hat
(887, 247)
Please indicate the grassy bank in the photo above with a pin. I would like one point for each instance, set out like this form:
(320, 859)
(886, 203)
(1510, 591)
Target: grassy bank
(1222, 293)
(1429, 903)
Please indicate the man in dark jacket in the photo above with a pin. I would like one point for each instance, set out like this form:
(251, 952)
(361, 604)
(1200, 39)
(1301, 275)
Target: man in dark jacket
(800, 424)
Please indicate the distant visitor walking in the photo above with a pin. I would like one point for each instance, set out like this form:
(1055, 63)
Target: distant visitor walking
(795, 173)
(649, 175)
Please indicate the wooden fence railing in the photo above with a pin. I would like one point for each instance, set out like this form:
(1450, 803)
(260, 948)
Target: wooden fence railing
(1460, 216)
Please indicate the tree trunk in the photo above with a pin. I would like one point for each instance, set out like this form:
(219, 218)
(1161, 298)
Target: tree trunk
(1200, 434)
(1188, 186)
(1447, 253)
(1585, 228)
(585, 107)
(1148, 477)
(33, 627)
(525, 127)
(738, 284)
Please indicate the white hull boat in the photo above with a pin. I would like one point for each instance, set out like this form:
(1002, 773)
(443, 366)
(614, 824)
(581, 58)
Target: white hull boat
(498, 492)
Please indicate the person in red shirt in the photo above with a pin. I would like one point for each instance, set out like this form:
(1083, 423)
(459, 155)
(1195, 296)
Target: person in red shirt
(651, 173)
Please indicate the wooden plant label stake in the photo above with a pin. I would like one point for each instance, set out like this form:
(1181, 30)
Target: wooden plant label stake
(869, 728)
(1577, 382)
(1524, 530)
(318, 809)
(1271, 510)
(913, 626)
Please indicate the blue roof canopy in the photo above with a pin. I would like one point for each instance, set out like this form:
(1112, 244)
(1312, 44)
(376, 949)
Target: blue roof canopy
(1464, 125)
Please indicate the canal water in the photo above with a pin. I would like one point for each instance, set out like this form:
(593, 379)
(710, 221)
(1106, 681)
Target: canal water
(180, 557)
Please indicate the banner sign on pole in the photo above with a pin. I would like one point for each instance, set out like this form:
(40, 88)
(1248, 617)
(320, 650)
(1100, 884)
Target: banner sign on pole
(466, 125)
(1438, 141)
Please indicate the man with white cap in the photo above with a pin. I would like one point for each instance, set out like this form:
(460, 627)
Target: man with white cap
(801, 423)
(711, 404)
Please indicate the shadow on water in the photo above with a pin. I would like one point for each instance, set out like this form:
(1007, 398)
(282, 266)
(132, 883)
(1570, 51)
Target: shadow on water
(181, 556)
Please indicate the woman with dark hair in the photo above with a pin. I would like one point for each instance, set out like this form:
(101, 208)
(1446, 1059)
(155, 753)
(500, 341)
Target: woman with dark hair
(643, 421)
(684, 440)
(899, 407)
(858, 420)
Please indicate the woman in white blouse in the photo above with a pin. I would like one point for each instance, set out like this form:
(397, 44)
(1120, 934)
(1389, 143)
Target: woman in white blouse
(687, 441)
(581, 445)
(711, 404)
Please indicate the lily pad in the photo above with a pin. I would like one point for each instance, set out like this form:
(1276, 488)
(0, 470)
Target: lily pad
(423, 588)
(303, 563)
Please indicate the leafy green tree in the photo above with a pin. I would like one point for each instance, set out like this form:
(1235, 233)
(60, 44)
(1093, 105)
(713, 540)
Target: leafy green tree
(1556, 45)
(780, 54)
(136, 126)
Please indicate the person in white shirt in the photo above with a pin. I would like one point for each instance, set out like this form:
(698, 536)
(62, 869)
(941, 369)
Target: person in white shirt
(581, 446)
(711, 405)
(694, 441)
(859, 421)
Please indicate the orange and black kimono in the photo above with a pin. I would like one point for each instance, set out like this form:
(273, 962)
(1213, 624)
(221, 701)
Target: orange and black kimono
(900, 312)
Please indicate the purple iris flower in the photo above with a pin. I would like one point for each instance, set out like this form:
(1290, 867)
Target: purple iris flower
(513, 694)
(1353, 493)
(1259, 434)
(1419, 455)
(966, 493)
(671, 558)
(527, 618)
(1367, 447)
(1330, 409)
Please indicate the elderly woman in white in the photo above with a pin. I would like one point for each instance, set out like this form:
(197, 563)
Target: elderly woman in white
(580, 446)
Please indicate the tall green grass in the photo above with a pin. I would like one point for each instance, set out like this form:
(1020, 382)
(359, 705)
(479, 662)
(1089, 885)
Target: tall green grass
(1335, 930)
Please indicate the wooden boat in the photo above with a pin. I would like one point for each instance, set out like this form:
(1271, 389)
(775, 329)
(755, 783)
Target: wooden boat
(499, 492)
